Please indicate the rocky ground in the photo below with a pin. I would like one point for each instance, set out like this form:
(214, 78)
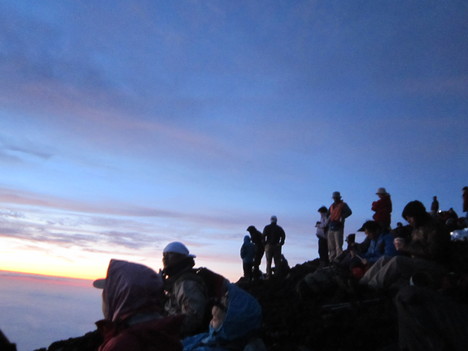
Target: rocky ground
(343, 317)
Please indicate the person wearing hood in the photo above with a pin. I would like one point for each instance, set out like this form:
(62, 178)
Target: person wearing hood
(257, 239)
(235, 325)
(185, 292)
(131, 300)
(247, 253)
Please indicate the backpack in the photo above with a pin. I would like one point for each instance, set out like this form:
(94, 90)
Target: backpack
(346, 211)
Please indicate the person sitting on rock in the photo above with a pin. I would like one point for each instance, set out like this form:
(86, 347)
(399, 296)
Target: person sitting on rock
(426, 251)
(380, 245)
(186, 292)
(131, 303)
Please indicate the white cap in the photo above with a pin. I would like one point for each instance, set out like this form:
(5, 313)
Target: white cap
(178, 247)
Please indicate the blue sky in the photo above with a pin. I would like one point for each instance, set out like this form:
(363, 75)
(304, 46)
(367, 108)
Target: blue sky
(126, 125)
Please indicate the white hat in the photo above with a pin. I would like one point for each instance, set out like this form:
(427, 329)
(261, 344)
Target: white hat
(178, 247)
(381, 191)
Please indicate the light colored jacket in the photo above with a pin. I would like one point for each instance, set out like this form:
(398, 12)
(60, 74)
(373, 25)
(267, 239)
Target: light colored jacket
(322, 225)
(187, 295)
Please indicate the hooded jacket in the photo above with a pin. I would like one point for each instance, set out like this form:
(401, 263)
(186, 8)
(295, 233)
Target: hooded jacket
(242, 320)
(131, 299)
(186, 293)
(247, 251)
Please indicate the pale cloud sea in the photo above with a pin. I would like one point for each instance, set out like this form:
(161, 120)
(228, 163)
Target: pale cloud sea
(37, 310)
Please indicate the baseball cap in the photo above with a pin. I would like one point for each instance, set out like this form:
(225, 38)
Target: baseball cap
(179, 248)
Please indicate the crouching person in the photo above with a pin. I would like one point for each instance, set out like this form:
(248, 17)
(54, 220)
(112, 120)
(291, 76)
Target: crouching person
(235, 325)
(131, 300)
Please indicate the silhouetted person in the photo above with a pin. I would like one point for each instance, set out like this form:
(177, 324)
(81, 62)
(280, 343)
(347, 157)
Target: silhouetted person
(257, 239)
(321, 233)
(382, 208)
(434, 206)
(274, 237)
(247, 253)
(339, 211)
(465, 201)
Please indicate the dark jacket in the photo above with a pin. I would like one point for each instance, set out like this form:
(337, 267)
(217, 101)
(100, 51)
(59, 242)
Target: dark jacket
(273, 234)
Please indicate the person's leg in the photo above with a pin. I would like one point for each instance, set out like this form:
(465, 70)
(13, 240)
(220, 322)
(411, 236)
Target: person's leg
(339, 242)
(269, 256)
(323, 250)
(331, 245)
(277, 258)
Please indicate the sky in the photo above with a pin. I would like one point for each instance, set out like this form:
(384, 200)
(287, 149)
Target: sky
(39, 310)
(126, 125)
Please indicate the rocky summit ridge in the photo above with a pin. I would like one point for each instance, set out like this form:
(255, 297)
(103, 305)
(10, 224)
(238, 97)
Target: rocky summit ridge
(344, 317)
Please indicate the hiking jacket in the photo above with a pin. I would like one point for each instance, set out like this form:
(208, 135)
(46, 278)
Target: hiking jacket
(339, 211)
(381, 246)
(429, 241)
(273, 234)
(247, 251)
(186, 294)
(382, 209)
(242, 320)
(158, 334)
(131, 300)
(322, 226)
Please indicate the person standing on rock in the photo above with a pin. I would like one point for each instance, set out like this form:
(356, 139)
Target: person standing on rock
(339, 211)
(257, 239)
(383, 209)
(247, 253)
(321, 232)
(274, 237)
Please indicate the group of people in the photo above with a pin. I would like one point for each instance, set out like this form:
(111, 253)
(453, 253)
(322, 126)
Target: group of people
(255, 245)
(409, 262)
(179, 308)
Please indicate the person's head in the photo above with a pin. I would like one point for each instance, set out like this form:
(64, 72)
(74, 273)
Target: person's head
(435, 197)
(129, 288)
(322, 210)
(251, 229)
(336, 196)
(273, 219)
(371, 229)
(246, 239)
(174, 253)
(415, 213)
(381, 192)
(351, 240)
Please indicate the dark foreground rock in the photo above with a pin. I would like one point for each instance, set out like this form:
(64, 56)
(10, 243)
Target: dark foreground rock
(343, 318)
